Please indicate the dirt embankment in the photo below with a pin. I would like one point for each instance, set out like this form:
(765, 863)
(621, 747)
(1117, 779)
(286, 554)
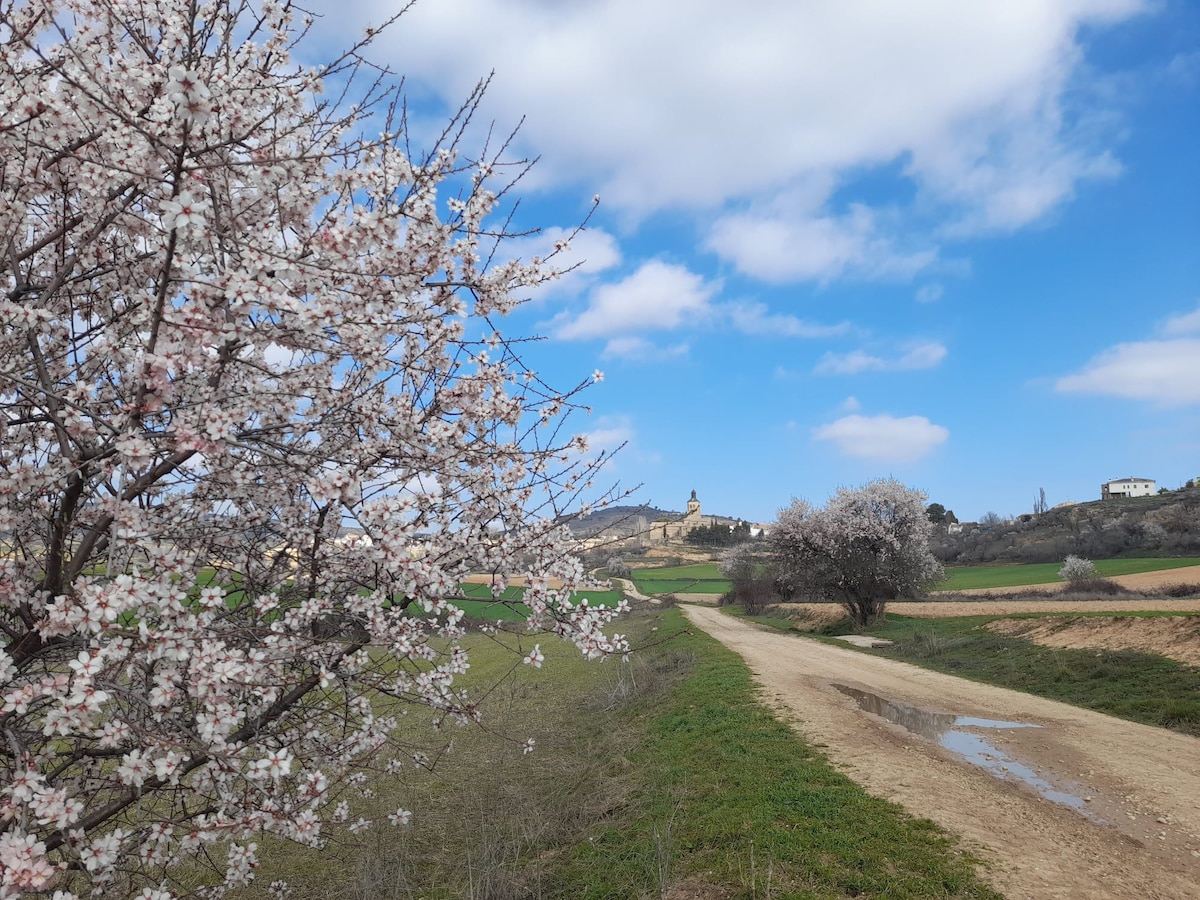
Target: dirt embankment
(1135, 833)
(1177, 637)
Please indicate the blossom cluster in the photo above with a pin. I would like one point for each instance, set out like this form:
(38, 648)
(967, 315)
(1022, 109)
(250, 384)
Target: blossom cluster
(257, 427)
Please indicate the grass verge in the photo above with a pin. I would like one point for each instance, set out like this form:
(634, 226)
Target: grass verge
(733, 803)
(1140, 687)
(661, 778)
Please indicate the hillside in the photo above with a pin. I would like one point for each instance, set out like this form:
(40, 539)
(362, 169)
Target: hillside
(618, 521)
(1164, 525)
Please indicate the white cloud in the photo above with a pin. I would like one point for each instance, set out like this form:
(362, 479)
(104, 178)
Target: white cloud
(658, 296)
(781, 246)
(1164, 373)
(930, 293)
(693, 104)
(918, 356)
(883, 437)
(589, 253)
(1188, 323)
(633, 347)
(851, 404)
(610, 434)
(755, 319)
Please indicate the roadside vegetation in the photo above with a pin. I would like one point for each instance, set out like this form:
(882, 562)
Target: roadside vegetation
(664, 773)
(1140, 687)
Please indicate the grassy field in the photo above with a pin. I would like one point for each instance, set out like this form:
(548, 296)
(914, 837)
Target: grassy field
(703, 578)
(961, 578)
(665, 771)
(485, 607)
(699, 578)
(1140, 687)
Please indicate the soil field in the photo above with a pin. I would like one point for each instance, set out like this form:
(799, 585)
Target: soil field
(820, 613)
(1141, 581)
(1177, 637)
(1062, 802)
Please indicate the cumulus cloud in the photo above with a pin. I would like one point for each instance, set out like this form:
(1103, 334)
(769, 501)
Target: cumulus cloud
(918, 356)
(778, 246)
(1188, 323)
(589, 253)
(658, 296)
(756, 319)
(661, 296)
(883, 437)
(704, 101)
(1164, 373)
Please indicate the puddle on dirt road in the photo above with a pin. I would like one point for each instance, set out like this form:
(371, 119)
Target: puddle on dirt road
(947, 730)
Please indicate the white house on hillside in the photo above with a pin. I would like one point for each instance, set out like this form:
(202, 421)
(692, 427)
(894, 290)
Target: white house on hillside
(1128, 487)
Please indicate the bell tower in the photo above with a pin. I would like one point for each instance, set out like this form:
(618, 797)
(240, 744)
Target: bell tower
(693, 507)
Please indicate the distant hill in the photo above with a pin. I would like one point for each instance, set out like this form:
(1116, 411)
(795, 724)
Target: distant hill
(1163, 525)
(618, 520)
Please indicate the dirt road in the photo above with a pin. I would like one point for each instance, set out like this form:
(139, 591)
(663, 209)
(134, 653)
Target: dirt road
(1135, 833)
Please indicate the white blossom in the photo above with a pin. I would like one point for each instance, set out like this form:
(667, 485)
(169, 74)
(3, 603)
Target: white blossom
(260, 428)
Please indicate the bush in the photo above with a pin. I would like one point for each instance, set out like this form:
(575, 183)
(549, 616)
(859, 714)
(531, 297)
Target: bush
(1076, 569)
(1093, 586)
(1178, 590)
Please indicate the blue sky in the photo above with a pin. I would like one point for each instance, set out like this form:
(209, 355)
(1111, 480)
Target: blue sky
(953, 243)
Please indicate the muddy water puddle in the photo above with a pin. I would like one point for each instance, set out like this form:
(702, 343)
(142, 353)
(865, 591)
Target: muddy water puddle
(951, 732)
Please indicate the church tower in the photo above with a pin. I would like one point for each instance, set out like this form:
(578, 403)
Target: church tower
(693, 507)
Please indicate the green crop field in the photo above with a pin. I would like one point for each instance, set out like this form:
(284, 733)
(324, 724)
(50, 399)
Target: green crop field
(961, 578)
(699, 578)
(701, 571)
(483, 606)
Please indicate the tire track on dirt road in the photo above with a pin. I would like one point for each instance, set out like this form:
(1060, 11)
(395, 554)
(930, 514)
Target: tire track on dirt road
(1139, 834)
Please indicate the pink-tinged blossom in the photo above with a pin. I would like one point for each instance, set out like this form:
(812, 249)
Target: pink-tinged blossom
(534, 657)
(24, 864)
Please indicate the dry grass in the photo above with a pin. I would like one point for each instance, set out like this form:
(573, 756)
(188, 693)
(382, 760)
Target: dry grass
(489, 821)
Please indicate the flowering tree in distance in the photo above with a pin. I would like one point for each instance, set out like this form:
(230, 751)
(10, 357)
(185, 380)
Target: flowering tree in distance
(1076, 569)
(867, 546)
(256, 425)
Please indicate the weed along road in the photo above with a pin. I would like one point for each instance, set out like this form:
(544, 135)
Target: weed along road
(1060, 802)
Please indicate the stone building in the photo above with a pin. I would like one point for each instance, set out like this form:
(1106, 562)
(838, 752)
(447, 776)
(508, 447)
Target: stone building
(665, 530)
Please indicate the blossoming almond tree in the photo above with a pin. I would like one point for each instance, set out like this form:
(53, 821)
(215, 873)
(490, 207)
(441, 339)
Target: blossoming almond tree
(865, 547)
(233, 325)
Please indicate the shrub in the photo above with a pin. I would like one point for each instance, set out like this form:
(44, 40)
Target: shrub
(1093, 586)
(1178, 590)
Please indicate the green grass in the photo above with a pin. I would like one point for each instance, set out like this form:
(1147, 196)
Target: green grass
(1140, 687)
(733, 797)
(484, 606)
(702, 571)
(961, 578)
(646, 775)
(699, 578)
